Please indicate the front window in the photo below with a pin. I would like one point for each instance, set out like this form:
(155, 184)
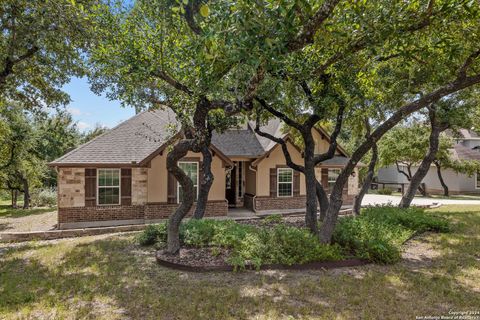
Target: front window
(477, 180)
(108, 186)
(191, 170)
(284, 182)
(332, 177)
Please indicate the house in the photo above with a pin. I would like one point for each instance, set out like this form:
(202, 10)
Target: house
(466, 147)
(121, 177)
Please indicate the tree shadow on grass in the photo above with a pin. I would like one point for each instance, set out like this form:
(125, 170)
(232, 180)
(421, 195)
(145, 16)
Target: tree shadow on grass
(113, 277)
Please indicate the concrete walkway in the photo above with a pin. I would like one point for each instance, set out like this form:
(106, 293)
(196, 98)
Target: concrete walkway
(378, 199)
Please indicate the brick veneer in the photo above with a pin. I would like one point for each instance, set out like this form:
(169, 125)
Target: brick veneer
(68, 217)
(270, 203)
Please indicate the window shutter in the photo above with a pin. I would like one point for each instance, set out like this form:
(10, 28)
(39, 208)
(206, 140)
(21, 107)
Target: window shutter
(273, 182)
(171, 189)
(296, 183)
(126, 187)
(90, 187)
(325, 178)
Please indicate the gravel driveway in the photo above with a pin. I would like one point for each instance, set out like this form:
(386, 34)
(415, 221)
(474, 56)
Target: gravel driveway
(34, 222)
(378, 199)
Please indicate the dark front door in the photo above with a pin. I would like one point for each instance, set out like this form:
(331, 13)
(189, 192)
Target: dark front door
(230, 187)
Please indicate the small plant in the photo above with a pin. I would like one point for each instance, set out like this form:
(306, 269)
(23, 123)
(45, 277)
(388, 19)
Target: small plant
(274, 218)
(385, 191)
(153, 234)
(44, 197)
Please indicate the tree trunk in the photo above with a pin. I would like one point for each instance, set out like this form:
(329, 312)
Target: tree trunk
(422, 170)
(357, 204)
(311, 199)
(205, 185)
(14, 199)
(26, 194)
(186, 201)
(322, 199)
(440, 177)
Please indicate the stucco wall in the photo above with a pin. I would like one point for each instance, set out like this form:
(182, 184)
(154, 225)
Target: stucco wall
(158, 177)
(71, 187)
(276, 158)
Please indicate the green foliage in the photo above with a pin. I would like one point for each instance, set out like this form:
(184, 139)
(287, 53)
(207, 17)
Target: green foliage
(378, 233)
(274, 218)
(249, 245)
(282, 245)
(385, 191)
(44, 197)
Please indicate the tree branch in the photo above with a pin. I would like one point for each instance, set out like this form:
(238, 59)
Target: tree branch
(333, 137)
(10, 63)
(191, 9)
(310, 28)
(283, 144)
(279, 115)
(171, 81)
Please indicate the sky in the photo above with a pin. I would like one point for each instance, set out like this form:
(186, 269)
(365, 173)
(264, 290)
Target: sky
(88, 109)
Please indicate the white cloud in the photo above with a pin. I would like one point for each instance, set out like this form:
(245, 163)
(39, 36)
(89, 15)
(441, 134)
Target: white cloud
(83, 125)
(74, 111)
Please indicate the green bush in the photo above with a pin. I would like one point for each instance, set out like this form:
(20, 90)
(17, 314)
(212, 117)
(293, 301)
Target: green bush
(379, 232)
(152, 234)
(43, 197)
(385, 191)
(274, 218)
(282, 245)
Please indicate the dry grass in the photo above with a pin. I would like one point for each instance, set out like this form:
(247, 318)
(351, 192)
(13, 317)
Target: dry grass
(34, 219)
(110, 277)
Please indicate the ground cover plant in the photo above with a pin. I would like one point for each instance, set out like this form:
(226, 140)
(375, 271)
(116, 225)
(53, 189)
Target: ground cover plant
(376, 235)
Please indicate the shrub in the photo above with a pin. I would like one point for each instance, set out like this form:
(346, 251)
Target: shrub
(379, 232)
(43, 197)
(385, 191)
(274, 218)
(282, 245)
(152, 234)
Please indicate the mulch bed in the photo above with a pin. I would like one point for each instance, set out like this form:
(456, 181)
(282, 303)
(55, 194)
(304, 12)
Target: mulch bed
(202, 260)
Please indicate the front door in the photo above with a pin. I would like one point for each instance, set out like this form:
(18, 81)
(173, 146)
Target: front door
(230, 187)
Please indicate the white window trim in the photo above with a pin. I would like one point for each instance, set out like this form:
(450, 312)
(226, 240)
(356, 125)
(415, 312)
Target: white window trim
(119, 187)
(278, 182)
(476, 181)
(336, 169)
(178, 184)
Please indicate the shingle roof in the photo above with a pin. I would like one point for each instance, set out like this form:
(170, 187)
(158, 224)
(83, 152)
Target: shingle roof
(460, 152)
(240, 143)
(138, 138)
(130, 142)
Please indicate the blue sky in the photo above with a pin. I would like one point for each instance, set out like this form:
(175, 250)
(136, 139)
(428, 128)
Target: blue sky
(88, 109)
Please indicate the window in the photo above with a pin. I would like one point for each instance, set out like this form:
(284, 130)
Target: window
(477, 180)
(332, 177)
(108, 186)
(284, 182)
(191, 170)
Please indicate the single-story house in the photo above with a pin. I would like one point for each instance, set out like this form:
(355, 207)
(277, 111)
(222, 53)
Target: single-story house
(466, 147)
(120, 177)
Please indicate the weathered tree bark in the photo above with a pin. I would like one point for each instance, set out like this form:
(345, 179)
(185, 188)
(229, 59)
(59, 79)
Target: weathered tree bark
(14, 198)
(357, 204)
(26, 194)
(179, 151)
(436, 129)
(461, 82)
(440, 178)
(322, 199)
(205, 185)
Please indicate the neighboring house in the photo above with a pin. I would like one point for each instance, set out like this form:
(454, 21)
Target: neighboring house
(467, 147)
(121, 176)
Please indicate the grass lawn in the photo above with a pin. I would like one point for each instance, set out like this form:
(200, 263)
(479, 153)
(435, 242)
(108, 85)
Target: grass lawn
(6, 210)
(111, 277)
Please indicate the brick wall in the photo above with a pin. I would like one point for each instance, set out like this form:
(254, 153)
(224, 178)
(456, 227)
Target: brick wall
(150, 211)
(164, 210)
(270, 203)
(71, 187)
